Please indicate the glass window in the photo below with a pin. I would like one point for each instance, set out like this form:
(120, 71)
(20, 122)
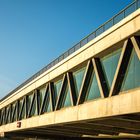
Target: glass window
(34, 108)
(47, 103)
(67, 99)
(57, 86)
(29, 100)
(8, 117)
(42, 92)
(93, 89)
(132, 76)
(3, 116)
(78, 78)
(14, 112)
(109, 64)
(20, 109)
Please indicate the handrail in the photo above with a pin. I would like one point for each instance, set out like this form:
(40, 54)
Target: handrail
(108, 24)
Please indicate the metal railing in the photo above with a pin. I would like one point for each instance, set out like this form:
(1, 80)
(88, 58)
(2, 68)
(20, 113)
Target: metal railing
(115, 19)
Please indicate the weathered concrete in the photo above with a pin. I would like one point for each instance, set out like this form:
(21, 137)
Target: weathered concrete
(116, 105)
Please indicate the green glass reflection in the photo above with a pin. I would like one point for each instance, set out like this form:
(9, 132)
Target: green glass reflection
(29, 100)
(109, 64)
(78, 78)
(34, 109)
(14, 111)
(8, 118)
(49, 106)
(20, 107)
(7, 114)
(132, 76)
(42, 94)
(47, 103)
(20, 104)
(57, 86)
(93, 89)
(67, 99)
(23, 112)
(3, 117)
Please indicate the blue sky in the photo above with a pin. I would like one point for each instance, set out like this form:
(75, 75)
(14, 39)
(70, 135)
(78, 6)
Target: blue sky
(34, 32)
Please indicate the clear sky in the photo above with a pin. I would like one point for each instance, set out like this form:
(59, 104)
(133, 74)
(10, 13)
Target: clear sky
(34, 32)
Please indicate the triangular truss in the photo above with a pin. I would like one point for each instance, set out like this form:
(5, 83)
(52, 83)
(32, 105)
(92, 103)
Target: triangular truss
(67, 82)
(23, 109)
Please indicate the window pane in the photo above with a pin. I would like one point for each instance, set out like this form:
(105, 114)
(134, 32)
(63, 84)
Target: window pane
(109, 64)
(34, 109)
(8, 119)
(93, 90)
(47, 106)
(23, 112)
(132, 76)
(78, 78)
(67, 99)
(137, 71)
(29, 101)
(14, 111)
(42, 94)
(20, 107)
(57, 86)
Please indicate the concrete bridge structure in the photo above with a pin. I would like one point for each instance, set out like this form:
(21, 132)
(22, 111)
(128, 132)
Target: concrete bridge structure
(91, 91)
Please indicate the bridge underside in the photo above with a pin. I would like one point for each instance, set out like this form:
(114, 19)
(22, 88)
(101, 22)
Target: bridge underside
(116, 127)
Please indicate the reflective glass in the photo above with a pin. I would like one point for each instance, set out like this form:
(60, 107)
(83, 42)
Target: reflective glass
(67, 99)
(34, 109)
(132, 76)
(3, 116)
(14, 112)
(93, 89)
(78, 78)
(47, 106)
(57, 86)
(23, 112)
(42, 94)
(8, 118)
(7, 114)
(20, 107)
(20, 104)
(29, 100)
(109, 64)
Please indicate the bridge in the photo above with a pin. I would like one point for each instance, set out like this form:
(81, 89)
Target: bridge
(91, 91)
